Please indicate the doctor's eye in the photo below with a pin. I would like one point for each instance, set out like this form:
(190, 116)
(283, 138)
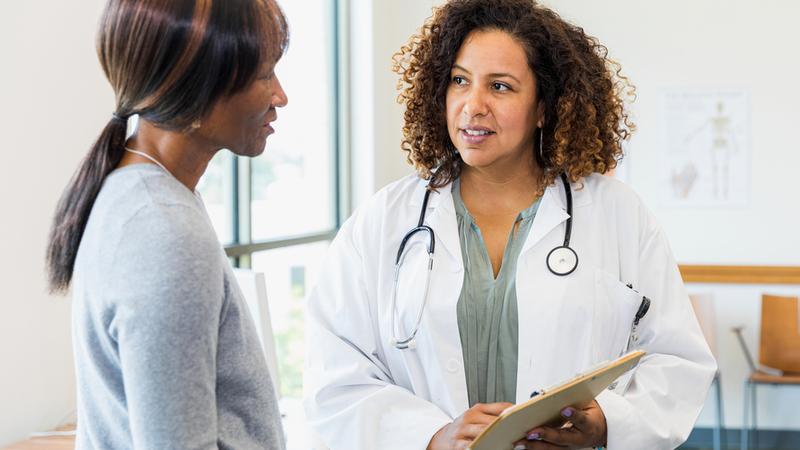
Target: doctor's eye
(497, 86)
(458, 80)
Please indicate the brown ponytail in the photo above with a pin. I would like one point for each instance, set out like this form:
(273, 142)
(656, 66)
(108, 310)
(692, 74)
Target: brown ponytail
(76, 202)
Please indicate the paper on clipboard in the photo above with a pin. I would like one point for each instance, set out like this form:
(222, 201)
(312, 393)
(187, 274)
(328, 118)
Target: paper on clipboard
(512, 425)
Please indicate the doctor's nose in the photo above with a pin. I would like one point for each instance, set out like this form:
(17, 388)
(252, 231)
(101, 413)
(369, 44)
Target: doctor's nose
(475, 103)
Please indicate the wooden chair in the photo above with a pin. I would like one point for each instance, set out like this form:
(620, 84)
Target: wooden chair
(703, 305)
(778, 356)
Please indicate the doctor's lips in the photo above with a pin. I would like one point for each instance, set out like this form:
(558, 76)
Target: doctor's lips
(475, 134)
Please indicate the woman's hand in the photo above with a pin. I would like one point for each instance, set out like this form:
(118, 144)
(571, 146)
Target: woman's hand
(579, 428)
(462, 431)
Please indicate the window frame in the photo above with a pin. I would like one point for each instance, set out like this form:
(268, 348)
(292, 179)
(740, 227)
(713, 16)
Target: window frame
(242, 247)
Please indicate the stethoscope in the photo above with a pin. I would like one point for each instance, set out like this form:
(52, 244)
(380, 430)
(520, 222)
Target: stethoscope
(561, 261)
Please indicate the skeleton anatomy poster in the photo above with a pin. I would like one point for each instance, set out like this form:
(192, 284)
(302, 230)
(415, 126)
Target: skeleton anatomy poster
(705, 148)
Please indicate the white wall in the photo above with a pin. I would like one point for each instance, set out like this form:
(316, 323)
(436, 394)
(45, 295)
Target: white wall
(712, 43)
(379, 29)
(684, 43)
(53, 102)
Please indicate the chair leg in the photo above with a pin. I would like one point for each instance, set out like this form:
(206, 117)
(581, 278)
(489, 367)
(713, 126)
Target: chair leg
(718, 427)
(745, 419)
(720, 412)
(754, 408)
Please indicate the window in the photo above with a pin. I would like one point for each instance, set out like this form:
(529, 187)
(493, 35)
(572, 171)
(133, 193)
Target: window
(278, 212)
(290, 272)
(216, 187)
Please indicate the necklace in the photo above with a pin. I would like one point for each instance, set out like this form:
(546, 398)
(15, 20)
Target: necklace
(145, 155)
(158, 163)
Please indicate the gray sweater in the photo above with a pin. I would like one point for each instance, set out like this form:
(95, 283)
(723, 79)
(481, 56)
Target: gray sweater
(166, 354)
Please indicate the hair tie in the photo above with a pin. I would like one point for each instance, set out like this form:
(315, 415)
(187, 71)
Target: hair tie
(118, 118)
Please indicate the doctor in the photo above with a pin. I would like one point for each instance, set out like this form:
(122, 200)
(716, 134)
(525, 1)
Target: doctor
(504, 265)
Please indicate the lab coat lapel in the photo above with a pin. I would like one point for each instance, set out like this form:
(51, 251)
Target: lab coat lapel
(538, 290)
(540, 294)
(551, 213)
(440, 325)
(441, 217)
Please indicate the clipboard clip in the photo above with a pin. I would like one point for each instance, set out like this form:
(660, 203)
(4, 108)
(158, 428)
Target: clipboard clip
(537, 393)
(644, 307)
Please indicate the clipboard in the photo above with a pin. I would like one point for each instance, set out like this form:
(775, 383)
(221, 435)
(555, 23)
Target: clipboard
(513, 423)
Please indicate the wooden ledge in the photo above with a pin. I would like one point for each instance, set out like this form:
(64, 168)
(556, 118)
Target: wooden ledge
(47, 442)
(740, 274)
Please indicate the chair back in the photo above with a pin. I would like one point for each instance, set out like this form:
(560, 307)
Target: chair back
(703, 305)
(254, 290)
(780, 333)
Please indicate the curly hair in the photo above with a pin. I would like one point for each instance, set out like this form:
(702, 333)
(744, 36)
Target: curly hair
(583, 91)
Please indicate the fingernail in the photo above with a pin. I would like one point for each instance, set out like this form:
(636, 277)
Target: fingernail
(519, 447)
(533, 437)
(566, 412)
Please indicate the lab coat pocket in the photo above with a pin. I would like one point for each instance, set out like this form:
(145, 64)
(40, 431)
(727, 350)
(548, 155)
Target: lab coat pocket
(614, 311)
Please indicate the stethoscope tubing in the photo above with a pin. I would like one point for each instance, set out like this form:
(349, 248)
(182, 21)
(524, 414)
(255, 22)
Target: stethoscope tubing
(568, 194)
(409, 342)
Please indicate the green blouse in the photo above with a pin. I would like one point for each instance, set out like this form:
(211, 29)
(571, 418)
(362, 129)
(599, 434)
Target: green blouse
(487, 308)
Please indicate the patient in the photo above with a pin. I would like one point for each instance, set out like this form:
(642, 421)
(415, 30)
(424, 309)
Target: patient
(166, 354)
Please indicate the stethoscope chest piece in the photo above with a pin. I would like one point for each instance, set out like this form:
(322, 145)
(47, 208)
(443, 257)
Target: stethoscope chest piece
(562, 260)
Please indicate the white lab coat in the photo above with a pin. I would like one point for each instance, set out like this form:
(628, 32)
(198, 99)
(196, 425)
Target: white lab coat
(362, 393)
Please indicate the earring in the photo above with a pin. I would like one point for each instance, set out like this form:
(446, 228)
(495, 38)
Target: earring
(196, 124)
(541, 145)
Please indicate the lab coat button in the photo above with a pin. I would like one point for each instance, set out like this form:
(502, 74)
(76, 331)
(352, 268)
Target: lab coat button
(453, 365)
